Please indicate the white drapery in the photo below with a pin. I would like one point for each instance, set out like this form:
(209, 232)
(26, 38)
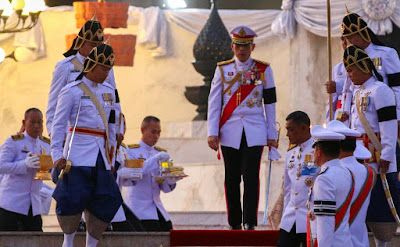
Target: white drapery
(312, 15)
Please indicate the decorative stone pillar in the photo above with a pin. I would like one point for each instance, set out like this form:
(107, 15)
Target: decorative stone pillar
(211, 46)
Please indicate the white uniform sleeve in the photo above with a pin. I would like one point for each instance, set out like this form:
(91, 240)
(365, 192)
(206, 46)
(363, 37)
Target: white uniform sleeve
(60, 79)
(286, 183)
(215, 104)
(61, 117)
(392, 69)
(385, 106)
(269, 94)
(166, 188)
(8, 154)
(324, 210)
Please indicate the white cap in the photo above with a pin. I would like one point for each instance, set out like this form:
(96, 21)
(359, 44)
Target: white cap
(243, 35)
(361, 152)
(321, 134)
(341, 128)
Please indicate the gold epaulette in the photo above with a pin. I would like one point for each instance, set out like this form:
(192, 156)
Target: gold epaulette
(123, 144)
(45, 139)
(18, 137)
(133, 145)
(160, 149)
(226, 62)
(291, 146)
(262, 62)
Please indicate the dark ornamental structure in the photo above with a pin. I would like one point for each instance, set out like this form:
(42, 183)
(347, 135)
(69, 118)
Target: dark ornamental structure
(212, 46)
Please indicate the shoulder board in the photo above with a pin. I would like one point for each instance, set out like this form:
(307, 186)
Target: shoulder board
(323, 169)
(18, 137)
(66, 60)
(105, 83)
(123, 144)
(133, 145)
(261, 62)
(291, 146)
(160, 149)
(45, 139)
(226, 62)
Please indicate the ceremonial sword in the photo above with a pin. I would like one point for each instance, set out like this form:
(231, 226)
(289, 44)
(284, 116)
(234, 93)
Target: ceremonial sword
(269, 180)
(69, 163)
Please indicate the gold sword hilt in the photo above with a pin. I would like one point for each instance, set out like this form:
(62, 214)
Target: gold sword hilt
(65, 170)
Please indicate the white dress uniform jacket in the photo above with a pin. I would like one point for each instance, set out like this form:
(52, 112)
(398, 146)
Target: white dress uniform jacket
(65, 73)
(358, 229)
(387, 63)
(85, 148)
(18, 189)
(329, 193)
(144, 197)
(380, 100)
(248, 116)
(296, 188)
(339, 76)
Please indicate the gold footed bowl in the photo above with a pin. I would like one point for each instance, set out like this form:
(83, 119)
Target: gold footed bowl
(134, 163)
(46, 163)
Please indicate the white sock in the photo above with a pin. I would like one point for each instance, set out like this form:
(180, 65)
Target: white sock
(90, 241)
(69, 240)
(380, 243)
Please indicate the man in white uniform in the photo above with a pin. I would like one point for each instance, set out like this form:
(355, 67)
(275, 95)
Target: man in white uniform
(299, 175)
(332, 191)
(240, 126)
(143, 195)
(364, 178)
(20, 205)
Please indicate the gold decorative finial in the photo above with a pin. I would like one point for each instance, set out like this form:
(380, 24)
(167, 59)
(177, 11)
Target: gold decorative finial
(94, 18)
(347, 10)
(107, 41)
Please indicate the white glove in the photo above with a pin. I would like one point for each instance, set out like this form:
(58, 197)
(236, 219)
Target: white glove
(274, 154)
(162, 156)
(31, 161)
(130, 173)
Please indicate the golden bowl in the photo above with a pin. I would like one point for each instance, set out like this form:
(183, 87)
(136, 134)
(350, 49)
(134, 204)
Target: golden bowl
(134, 163)
(46, 163)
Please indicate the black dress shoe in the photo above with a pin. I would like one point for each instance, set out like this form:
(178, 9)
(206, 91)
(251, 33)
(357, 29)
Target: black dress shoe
(237, 227)
(250, 227)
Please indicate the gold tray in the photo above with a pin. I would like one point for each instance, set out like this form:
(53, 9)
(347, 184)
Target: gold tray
(46, 163)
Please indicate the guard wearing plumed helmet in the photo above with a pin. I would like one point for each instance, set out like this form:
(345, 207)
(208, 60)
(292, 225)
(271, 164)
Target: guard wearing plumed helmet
(87, 107)
(373, 113)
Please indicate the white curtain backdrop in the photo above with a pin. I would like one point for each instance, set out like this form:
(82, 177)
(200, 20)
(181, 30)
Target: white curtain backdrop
(311, 14)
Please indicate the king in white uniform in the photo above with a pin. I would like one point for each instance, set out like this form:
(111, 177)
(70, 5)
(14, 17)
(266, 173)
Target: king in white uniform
(246, 88)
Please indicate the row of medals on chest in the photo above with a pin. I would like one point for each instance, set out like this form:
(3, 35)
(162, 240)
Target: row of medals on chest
(250, 77)
(307, 165)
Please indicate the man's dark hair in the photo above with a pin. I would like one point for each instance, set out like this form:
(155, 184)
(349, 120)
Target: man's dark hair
(348, 145)
(330, 149)
(148, 119)
(299, 117)
(32, 110)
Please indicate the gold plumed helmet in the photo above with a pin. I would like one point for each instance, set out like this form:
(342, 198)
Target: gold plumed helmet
(91, 31)
(352, 24)
(100, 55)
(354, 55)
